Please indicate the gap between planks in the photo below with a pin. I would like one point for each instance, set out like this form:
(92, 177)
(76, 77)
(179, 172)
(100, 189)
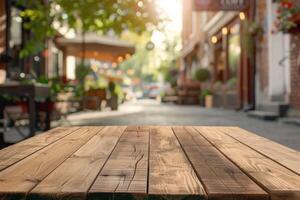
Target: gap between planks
(15, 153)
(74, 177)
(19, 179)
(219, 176)
(280, 182)
(280, 154)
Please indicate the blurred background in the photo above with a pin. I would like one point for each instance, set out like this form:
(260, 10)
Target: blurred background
(154, 62)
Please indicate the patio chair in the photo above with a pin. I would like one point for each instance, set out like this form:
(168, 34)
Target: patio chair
(93, 99)
(15, 116)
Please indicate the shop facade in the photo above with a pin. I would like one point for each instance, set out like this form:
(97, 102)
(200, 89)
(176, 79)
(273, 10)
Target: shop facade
(252, 66)
(219, 48)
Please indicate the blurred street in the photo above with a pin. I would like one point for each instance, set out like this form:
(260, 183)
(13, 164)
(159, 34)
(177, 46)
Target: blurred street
(151, 112)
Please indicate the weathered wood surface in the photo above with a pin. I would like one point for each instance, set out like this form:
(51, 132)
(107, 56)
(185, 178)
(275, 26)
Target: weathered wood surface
(77, 173)
(279, 181)
(17, 152)
(277, 152)
(126, 169)
(220, 176)
(149, 162)
(170, 173)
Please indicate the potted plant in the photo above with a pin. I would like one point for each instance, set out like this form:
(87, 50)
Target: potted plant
(207, 95)
(288, 16)
(202, 75)
(113, 101)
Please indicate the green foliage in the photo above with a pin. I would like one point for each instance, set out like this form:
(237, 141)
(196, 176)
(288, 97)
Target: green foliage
(251, 31)
(81, 71)
(206, 92)
(286, 10)
(111, 87)
(79, 90)
(202, 75)
(231, 83)
(101, 16)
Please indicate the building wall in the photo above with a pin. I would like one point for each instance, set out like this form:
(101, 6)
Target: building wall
(186, 21)
(295, 72)
(2, 29)
(262, 48)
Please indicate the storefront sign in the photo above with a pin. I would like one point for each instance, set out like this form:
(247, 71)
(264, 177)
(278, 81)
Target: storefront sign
(216, 5)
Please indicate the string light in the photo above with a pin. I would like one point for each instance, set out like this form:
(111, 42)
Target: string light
(225, 31)
(214, 39)
(114, 65)
(242, 16)
(127, 56)
(120, 59)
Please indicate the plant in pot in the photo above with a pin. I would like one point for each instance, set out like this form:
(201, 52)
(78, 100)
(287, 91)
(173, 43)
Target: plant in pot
(287, 15)
(207, 95)
(202, 75)
(113, 102)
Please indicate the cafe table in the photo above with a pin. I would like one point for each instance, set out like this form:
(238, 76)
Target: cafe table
(30, 92)
(149, 162)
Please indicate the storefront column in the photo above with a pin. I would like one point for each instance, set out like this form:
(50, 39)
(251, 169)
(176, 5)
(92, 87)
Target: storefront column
(279, 50)
(2, 30)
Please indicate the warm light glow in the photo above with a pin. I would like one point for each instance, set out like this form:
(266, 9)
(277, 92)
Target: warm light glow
(140, 4)
(127, 56)
(119, 72)
(94, 68)
(171, 9)
(242, 16)
(120, 59)
(214, 39)
(71, 63)
(114, 64)
(138, 13)
(130, 72)
(225, 31)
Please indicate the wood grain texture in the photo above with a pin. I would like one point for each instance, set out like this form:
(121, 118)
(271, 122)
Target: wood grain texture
(277, 152)
(125, 172)
(170, 173)
(20, 178)
(147, 162)
(277, 180)
(19, 151)
(220, 177)
(73, 178)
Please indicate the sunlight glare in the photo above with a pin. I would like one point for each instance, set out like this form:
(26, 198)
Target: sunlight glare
(171, 9)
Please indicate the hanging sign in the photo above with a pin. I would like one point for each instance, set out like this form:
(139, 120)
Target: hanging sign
(217, 5)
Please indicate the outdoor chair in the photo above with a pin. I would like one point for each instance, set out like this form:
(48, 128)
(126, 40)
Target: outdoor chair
(15, 116)
(94, 98)
(64, 105)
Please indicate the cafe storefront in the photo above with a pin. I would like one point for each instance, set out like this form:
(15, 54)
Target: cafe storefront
(231, 67)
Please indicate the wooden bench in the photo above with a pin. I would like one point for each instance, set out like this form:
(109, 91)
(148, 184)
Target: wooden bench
(149, 162)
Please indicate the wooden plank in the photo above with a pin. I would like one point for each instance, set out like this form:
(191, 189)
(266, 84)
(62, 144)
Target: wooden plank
(137, 128)
(17, 180)
(280, 182)
(74, 177)
(219, 176)
(125, 173)
(170, 173)
(283, 155)
(19, 151)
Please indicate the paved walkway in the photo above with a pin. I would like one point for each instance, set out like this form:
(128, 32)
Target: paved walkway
(149, 112)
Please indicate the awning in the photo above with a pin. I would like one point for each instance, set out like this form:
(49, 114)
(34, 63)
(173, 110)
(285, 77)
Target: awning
(104, 48)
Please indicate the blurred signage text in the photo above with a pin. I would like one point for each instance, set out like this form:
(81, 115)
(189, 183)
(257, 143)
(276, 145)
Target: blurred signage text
(216, 5)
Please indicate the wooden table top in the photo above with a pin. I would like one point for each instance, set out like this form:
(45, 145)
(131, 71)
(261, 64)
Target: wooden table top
(143, 162)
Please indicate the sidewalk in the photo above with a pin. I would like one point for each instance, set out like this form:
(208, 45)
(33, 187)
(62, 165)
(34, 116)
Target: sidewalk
(150, 112)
